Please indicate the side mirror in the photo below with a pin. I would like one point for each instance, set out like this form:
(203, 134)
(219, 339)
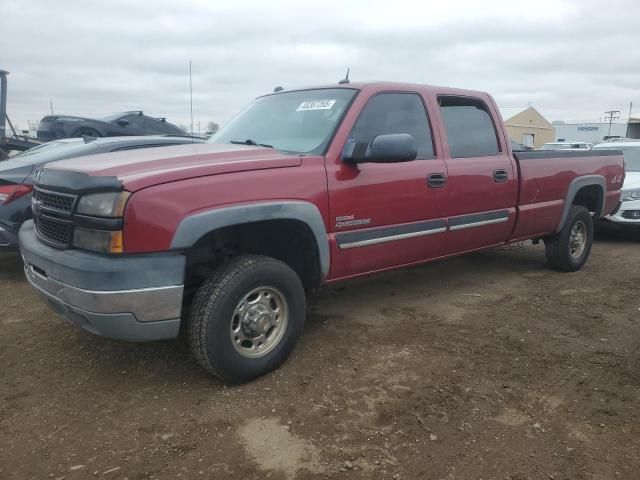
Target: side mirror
(389, 148)
(123, 123)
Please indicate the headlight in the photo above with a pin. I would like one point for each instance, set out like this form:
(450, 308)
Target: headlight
(630, 195)
(99, 238)
(103, 204)
(103, 241)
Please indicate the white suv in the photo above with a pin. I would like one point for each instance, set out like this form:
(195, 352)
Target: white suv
(629, 211)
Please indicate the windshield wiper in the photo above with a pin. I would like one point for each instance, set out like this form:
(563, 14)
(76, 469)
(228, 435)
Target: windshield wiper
(248, 141)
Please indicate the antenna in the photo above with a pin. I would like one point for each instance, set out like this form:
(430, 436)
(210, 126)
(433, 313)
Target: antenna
(345, 79)
(278, 89)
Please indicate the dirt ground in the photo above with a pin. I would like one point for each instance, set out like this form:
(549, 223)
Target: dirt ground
(486, 366)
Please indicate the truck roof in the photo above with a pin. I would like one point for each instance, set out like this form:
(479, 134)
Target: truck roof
(382, 85)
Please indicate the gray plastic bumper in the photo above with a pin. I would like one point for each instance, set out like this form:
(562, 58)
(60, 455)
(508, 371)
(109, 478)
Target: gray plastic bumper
(8, 240)
(134, 298)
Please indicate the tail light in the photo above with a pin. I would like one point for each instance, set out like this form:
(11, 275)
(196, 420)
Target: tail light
(8, 193)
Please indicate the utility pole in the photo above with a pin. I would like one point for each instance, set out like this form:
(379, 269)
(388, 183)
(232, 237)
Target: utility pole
(612, 115)
(51, 104)
(3, 103)
(191, 97)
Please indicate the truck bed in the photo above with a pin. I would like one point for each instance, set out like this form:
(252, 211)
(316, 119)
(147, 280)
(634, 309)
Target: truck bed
(545, 178)
(540, 154)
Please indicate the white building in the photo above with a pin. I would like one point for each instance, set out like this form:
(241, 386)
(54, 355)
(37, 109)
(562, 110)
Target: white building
(588, 132)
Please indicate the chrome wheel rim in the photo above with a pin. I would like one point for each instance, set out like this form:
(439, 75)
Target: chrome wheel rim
(259, 322)
(578, 239)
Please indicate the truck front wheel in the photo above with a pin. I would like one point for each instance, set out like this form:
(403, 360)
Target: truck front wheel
(246, 318)
(569, 249)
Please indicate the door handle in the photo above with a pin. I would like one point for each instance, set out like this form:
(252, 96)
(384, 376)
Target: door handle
(500, 176)
(436, 180)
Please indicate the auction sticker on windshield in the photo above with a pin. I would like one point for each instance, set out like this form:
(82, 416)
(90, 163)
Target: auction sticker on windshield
(316, 105)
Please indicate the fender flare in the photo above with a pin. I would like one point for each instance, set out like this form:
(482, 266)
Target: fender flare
(194, 227)
(574, 187)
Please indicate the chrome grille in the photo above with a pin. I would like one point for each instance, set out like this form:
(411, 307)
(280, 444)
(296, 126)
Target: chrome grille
(57, 201)
(52, 214)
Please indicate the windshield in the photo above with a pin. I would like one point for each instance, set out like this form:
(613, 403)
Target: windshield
(293, 122)
(631, 156)
(112, 116)
(51, 153)
(46, 147)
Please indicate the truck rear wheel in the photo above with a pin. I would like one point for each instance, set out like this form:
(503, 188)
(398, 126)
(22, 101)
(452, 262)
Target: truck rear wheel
(246, 318)
(569, 249)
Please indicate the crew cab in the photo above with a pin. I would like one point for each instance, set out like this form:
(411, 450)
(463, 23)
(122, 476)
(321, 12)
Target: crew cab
(221, 240)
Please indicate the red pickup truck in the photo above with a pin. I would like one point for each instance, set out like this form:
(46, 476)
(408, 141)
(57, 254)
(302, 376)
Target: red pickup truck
(304, 187)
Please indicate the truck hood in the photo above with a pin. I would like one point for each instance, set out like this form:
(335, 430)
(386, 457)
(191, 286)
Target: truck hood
(137, 169)
(631, 180)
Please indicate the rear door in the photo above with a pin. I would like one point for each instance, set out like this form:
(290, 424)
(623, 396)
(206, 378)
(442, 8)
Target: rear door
(482, 177)
(385, 214)
(153, 126)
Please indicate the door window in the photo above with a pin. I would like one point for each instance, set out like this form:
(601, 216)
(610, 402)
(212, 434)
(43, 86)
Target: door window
(387, 113)
(469, 126)
(135, 121)
(153, 125)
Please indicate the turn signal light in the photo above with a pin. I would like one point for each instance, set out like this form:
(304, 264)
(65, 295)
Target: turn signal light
(102, 241)
(116, 245)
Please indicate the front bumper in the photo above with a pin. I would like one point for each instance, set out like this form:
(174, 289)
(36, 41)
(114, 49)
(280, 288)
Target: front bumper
(627, 214)
(135, 298)
(8, 240)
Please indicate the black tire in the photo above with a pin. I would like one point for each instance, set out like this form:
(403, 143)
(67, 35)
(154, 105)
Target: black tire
(214, 309)
(559, 248)
(86, 132)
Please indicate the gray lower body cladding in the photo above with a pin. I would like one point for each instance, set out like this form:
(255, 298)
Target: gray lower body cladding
(8, 240)
(128, 297)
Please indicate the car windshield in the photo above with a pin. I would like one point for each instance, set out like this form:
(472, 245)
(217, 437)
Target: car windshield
(300, 122)
(61, 153)
(112, 116)
(631, 156)
(45, 148)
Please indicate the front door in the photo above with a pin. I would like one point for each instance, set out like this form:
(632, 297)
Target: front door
(482, 176)
(387, 214)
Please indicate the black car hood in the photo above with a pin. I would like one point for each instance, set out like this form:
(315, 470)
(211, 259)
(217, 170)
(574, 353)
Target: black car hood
(14, 171)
